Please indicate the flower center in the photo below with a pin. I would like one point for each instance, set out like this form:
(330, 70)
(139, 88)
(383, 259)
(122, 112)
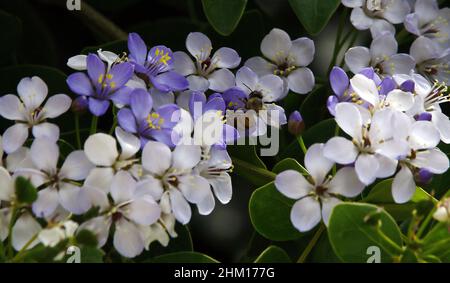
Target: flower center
(154, 121)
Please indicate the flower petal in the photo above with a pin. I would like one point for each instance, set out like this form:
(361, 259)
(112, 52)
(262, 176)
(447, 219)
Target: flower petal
(186, 156)
(306, 214)
(122, 187)
(327, 207)
(46, 202)
(14, 137)
(276, 45)
(101, 149)
(11, 108)
(127, 239)
(73, 198)
(129, 144)
(434, 160)
(366, 166)
(32, 92)
(183, 64)
(44, 154)
(221, 80)
(226, 58)
(349, 119)
(365, 88)
(340, 150)
(46, 131)
(301, 80)
(144, 211)
(198, 45)
(292, 184)
(403, 186)
(357, 58)
(346, 183)
(76, 166)
(180, 207)
(260, 66)
(156, 149)
(316, 163)
(23, 231)
(302, 51)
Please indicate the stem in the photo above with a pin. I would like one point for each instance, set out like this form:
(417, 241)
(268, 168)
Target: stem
(68, 133)
(389, 241)
(427, 220)
(301, 142)
(10, 227)
(311, 244)
(337, 41)
(257, 170)
(114, 125)
(67, 143)
(19, 255)
(93, 125)
(77, 130)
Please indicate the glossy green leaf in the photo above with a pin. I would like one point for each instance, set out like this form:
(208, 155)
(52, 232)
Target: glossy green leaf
(224, 15)
(273, 254)
(270, 214)
(184, 257)
(314, 14)
(381, 194)
(287, 164)
(353, 229)
(25, 192)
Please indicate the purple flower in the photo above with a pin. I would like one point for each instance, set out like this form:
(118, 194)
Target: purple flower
(199, 105)
(343, 92)
(102, 84)
(155, 66)
(156, 125)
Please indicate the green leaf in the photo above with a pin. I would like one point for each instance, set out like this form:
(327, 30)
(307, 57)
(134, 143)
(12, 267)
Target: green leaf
(314, 14)
(224, 15)
(353, 229)
(87, 238)
(287, 164)
(273, 254)
(381, 194)
(248, 165)
(322, 251)
(25, 192)
(184, 257)
(270, 214)
(313, 108)
(91, 254)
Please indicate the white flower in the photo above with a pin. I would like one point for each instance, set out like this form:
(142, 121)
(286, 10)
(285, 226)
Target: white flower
(427, 100)
(373, 147)
(214, 168)
(52, 236)
(378, 15)
(367, 90)
(172, 181)
(206, 72)
(430, 21)
(130, 209)
(6, 195)
(286, 59)
(59, 183)
(317, 194)
(422, 138)
(382, 56)
(28, 113)
(432, 60)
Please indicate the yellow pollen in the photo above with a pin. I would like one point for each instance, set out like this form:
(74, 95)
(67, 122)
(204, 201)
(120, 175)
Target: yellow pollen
(100, 79)
(164, 57)
(109, 76)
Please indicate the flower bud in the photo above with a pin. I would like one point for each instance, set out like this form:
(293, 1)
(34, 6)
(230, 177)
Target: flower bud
(442, 213)
(80, 104)
(296, 124)
(425, 116)
(423, 176)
